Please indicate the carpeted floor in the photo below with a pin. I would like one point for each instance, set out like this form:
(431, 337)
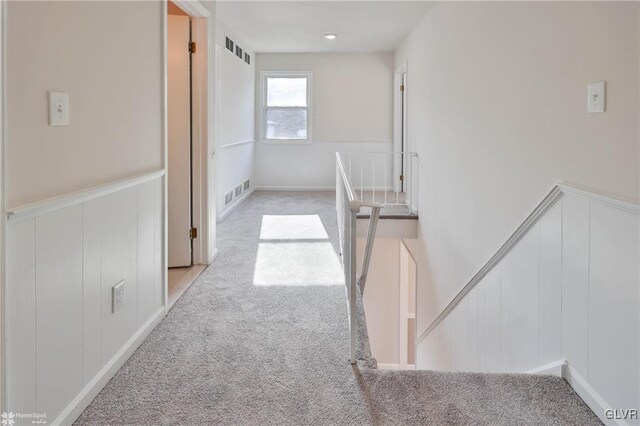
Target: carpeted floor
(261, 338)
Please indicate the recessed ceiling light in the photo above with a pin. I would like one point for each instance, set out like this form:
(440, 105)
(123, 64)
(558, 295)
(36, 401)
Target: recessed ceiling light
(330, 36)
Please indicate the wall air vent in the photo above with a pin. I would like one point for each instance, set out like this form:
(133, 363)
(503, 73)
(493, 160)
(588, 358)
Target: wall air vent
(238, 190)
(247, 58)
(228, 198)
(246, 184)
(238, 51)
(230, 44)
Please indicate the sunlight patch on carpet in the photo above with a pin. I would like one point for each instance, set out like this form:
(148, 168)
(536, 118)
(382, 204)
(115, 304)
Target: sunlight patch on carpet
(297, 264)
(292, 227)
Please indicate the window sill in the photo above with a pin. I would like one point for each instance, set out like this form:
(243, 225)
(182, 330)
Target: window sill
(286, 141)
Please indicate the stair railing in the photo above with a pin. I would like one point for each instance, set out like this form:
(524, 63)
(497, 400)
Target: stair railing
(347, 207)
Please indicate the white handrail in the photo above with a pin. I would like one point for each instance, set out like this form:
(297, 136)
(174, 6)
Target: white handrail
(347, 207)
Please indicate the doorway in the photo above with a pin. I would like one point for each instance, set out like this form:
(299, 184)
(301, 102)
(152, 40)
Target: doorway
(184, 122)
(179, 138)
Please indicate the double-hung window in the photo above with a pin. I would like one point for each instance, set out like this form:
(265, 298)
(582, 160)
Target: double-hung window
(286, 106)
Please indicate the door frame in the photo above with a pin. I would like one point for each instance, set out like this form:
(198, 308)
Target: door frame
(202, 122)
(399, 126)
(3, 228)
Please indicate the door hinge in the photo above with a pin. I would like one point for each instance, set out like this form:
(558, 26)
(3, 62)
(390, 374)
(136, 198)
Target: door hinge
(401, 178)
(192, 47)
(193, 233)
(402, 87)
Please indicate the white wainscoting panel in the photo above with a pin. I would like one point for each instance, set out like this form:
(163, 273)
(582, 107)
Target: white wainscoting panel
(58, 308)
(63, 260)
(21, 317)
(91, 291)
(569, 289)
(613, 288)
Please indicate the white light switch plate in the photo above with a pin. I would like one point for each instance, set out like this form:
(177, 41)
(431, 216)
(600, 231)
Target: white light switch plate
(117, 297)
(58, 109)
(596, 97)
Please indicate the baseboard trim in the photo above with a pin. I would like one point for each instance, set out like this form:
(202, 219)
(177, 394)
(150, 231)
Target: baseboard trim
(554, 368)
(388, 366)
(588, 394)
(235, 204)
(214, 255)
(295, 188)
(91, 390)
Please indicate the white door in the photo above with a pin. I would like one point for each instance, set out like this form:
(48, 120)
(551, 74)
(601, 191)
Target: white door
(179, 127)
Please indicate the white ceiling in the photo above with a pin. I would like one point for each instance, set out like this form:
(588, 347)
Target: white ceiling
(299, 26)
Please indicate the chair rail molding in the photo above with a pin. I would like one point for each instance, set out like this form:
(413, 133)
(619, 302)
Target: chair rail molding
(70, 199)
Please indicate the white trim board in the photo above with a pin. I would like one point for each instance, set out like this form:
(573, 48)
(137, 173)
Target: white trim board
(66, 200)
(229, 145)
(589, 395)
(192, 8)
(91, 390)
(295, 188)
(552, 197)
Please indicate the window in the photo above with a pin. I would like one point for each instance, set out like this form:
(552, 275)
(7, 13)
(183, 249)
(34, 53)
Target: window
(286, 104)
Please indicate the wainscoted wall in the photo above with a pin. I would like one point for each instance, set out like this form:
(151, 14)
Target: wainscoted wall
(235, 130)
(63, 340)
(313, 166)
(568, 290)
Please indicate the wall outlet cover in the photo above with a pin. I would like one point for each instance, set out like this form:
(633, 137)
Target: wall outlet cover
(58, 109)
(596, 97)
(117, 297)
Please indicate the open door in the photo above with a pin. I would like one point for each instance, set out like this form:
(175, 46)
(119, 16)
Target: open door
(179, 140)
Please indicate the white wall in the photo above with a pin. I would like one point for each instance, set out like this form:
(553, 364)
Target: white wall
(114, 94)
(352, 111)
(568, 290)
(382, 298)
(497, 112)
(235, 117)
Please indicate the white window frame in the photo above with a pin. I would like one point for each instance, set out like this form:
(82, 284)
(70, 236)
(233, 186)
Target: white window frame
(263, 106)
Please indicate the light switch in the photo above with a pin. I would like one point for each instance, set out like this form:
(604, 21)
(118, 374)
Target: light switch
(596, 97)
(58, 109)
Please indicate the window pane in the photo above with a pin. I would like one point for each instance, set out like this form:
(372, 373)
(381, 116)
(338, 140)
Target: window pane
(287, 92)
(286, 123)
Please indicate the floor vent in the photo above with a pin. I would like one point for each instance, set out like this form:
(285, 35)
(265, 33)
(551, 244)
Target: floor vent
(238, 190)
(228, 198)
(246, 184)
(230, 44)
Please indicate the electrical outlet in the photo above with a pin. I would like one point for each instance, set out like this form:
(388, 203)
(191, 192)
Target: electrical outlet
(117, 297)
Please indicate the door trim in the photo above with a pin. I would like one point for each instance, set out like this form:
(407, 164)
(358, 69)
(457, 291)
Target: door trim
(203, 182)
(399, 125)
